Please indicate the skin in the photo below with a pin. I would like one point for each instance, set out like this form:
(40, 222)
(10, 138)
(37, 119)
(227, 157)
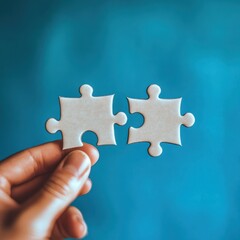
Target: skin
(37, 187)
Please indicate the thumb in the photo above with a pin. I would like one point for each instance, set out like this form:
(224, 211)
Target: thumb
(59, 191)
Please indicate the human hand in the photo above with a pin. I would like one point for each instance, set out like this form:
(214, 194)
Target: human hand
(36, 187)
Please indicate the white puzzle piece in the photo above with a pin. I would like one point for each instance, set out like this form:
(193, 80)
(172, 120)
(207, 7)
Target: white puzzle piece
(87, 113)
(162, 120)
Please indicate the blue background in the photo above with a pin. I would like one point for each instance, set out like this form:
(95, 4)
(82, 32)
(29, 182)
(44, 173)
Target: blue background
(191, 49)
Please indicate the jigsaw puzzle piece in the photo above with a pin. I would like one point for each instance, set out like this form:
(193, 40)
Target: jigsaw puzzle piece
(87, 113)
(162, 120)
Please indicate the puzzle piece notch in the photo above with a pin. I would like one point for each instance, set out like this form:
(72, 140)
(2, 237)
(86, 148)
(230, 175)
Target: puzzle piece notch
(188, 120)
(86, 91)
(52, 125)
(162, 120)
(86, 113)
(120, 118)
(153, 92)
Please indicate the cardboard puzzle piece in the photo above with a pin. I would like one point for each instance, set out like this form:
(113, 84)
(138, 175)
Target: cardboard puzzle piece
(87, 113)
(162, 120)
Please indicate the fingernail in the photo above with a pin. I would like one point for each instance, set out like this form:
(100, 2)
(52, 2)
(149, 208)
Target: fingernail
(86, 229)
(83, 226)
(77, 163)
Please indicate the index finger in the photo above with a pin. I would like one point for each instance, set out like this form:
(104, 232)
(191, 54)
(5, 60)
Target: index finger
(38, 160)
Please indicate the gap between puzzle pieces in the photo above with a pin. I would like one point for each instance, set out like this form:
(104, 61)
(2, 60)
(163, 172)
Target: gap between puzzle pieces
(162, 119)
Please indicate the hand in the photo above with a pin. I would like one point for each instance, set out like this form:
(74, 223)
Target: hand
(36, 188)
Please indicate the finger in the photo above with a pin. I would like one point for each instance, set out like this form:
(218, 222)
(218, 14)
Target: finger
(33, 162)
(86, 187)
(24, 191)
(59, 191)
(70, 225)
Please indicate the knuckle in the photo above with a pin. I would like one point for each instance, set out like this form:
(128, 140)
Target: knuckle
(35, 157)
(59, 186)
(4, 184)
(62, 230)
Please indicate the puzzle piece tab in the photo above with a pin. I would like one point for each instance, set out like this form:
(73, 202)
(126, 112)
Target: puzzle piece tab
(87, 113)
(162, 120)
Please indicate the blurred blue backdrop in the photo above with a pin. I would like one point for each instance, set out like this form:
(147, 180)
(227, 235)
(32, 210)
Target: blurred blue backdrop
(191, 49)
